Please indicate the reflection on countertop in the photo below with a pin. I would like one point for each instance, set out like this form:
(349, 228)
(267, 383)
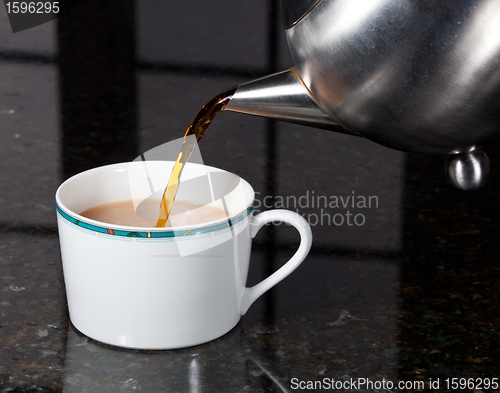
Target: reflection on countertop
(411, 294)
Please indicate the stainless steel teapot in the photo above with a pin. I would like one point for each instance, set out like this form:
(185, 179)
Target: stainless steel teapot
(419, 76)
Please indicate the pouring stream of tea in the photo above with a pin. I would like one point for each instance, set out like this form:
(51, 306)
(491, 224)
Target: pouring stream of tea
(197, 128)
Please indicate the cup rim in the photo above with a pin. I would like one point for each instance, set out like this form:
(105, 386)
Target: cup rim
(124, 230)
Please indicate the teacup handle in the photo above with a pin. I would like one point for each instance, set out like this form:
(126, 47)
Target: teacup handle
(250, 295)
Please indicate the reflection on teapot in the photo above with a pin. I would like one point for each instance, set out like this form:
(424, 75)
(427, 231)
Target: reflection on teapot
(419, 76)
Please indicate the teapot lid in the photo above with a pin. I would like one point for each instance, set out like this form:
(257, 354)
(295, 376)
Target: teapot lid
(294, 10)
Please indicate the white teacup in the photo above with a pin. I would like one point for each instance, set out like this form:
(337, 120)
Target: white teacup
(162, 288)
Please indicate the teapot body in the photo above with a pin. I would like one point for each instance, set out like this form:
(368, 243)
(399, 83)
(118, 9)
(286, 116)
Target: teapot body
(415, 75)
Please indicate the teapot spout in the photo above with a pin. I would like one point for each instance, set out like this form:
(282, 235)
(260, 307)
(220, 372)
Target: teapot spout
(282, 96)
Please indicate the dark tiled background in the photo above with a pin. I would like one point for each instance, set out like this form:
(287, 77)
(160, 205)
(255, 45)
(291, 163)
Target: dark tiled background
(412, 294)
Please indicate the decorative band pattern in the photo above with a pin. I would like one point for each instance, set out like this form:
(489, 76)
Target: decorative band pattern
(164, 233)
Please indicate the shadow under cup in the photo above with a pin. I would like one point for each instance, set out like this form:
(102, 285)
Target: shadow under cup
(161, 288)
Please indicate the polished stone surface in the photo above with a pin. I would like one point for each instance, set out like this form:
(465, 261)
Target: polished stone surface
(412, 294)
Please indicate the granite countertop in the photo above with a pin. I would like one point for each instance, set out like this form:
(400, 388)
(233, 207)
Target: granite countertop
(409, 292)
